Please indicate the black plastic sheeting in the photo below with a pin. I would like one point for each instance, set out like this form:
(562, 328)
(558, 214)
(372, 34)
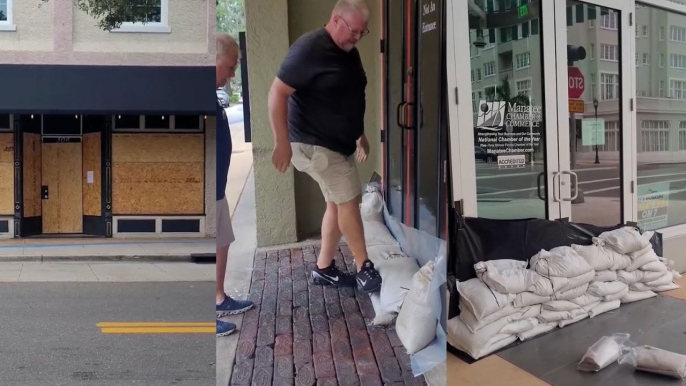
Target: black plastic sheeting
(480, 239)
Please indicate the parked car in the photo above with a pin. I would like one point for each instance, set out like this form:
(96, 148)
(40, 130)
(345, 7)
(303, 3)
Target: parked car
(483, 155)
(223, 97)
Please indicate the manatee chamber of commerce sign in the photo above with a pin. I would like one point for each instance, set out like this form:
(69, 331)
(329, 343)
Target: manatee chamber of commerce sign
(508, 128)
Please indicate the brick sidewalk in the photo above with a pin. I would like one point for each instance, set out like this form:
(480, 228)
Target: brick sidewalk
(304, 334)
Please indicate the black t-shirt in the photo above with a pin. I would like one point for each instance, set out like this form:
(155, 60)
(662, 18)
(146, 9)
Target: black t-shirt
(327, 108)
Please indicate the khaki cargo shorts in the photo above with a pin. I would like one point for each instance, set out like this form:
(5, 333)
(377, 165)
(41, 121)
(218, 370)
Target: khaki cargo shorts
(335, 173)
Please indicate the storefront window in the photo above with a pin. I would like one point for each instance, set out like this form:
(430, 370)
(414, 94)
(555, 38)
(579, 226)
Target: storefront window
(661, 120)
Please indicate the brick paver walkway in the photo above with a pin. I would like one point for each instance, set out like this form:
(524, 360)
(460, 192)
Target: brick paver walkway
(304, 334)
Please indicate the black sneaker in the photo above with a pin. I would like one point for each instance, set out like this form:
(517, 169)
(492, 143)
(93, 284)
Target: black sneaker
(368, 279)
(332, 276)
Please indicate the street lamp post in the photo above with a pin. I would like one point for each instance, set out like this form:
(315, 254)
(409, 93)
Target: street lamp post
(595, 106)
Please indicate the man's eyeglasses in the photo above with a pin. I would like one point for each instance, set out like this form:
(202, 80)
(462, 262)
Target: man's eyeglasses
(361, 34)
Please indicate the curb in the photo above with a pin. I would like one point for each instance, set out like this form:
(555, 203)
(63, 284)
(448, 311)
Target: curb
(100, 258)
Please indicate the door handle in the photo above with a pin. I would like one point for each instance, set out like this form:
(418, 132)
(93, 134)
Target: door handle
(538, 187)
(556, 192)
(400, 112)
(575, 184)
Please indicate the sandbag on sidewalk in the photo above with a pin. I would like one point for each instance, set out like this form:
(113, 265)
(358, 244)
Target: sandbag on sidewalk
(603, 353)
(480, 299)
(416, 324)
(604, 289)
(655, 360)
(605, 276)
(561, 262)
(506, 276)
(598, 257)
(604, 307)
(624, 240)
(396, 270)
(555, 285)
(634, 296)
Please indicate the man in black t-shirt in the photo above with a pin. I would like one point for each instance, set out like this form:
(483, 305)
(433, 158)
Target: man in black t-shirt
(316, 110)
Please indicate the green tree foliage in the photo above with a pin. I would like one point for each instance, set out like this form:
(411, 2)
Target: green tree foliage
(231, 20)
(112, 13)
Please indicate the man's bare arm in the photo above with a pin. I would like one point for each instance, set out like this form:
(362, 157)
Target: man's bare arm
(278, 118)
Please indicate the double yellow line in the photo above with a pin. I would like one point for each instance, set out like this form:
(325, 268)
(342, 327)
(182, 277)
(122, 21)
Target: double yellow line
(157, 327)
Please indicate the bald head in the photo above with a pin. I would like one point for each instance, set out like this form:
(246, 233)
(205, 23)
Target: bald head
(228, 54)
(344, 7)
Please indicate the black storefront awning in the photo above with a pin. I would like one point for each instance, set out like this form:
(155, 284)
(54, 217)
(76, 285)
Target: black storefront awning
(66, 89)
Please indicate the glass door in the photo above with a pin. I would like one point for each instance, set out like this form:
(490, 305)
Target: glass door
(594, 104)
(504, 116)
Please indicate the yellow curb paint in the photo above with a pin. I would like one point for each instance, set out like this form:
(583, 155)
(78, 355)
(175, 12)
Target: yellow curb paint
(156, 324)
(160, 330)
(157, 327)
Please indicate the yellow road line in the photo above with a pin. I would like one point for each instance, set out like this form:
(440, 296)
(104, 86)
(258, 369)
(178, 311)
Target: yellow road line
(156, 324)
(160, 330)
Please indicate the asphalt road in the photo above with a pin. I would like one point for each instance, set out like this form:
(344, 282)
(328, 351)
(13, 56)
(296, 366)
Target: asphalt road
(49, 334)
(595, 180)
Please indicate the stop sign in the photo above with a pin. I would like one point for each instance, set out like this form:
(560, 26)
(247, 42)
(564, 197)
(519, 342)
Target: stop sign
(576, 82)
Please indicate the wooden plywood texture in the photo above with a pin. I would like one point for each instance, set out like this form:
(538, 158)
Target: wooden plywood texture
(6, 174)
(158, 148)
(492, 370)
(32, 174)
(92, 192)
(158, 174)
(62, 173)
(158, 188)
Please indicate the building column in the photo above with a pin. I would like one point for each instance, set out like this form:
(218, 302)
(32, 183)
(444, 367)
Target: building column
(211, 176)
(267, 40)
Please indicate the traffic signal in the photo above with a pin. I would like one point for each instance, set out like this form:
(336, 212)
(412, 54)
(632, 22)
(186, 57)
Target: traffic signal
(575, 53)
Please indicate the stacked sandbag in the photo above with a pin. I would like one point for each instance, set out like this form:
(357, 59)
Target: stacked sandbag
(646, 273)
(566, 279)
(395, 267)
(488, 319)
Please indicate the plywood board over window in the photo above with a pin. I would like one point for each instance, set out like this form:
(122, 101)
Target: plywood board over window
(6, 174)
(158, 174)
(92, 187)
(32, 175)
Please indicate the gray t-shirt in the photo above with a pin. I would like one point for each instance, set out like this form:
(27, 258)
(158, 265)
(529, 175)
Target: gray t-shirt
(328, 106)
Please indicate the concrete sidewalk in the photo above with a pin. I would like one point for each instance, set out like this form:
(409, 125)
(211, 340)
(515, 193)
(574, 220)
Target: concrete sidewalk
(105, 272)
(41, 250)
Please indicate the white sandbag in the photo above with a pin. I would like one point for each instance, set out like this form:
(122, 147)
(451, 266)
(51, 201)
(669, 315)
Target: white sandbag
(475, 324)
(642, 260)
(396, 270)
(560, 305)
(571, 294)
(506, 276)
(603, 353)
(622, 262)
(634, 296)
(616, 296)
(605, 276)
(416, 323)
(479, 343)
(520, 326)
(553, 285)
(555, 316)
(603, 289)
(665, 279)
(655, 266)
(655, 360)
(588, 307)
(646, 249)
(372, 205)
(565, 323)
(666, 287)
(526, 313)
(480, 299)
(624, 240)
(585, 300)
(525, 299)
(598, 257)
(376, 233)
(380, 318)
(638, 276)
(540, 329)
(561, 262)
(640, 287)
(604, 307)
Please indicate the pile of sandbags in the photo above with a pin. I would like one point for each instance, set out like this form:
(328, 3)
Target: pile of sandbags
(508, 301)
(395, 267)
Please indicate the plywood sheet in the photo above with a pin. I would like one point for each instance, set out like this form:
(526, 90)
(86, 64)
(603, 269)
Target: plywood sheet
(32, 175)
(62, 173)
(158, 148)
(92, 192)
(50, 173)
(158, 188)
(7, 174)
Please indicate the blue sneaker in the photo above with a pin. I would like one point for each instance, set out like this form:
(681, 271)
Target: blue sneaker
(233, 307)
(225, 328)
